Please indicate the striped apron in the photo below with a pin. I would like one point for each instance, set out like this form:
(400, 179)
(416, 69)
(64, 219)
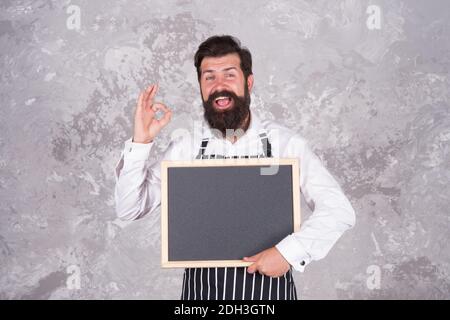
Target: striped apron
(235, 283)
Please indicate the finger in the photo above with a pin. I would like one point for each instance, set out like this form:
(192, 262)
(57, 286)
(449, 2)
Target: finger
(160, 106)
(252, 258)
(252, 268)
(166, 118)
(152, 94)
(148, 91)
(140, 99)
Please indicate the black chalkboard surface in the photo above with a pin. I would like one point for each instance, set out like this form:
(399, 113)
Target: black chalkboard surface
(215, 212)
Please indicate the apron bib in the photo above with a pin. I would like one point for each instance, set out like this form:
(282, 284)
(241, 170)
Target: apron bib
(234, 283)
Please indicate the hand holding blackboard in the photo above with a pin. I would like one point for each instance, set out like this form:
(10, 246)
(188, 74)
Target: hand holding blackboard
(269, 262)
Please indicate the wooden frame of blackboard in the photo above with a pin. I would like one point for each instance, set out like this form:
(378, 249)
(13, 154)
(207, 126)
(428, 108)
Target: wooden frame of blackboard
(261, 162)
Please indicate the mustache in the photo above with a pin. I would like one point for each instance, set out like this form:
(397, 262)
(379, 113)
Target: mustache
(222, 93)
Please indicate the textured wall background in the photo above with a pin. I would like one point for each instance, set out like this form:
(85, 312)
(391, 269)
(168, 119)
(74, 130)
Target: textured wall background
(374, 103)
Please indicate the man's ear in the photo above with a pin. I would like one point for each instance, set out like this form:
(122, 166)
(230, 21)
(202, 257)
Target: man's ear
(250, 80)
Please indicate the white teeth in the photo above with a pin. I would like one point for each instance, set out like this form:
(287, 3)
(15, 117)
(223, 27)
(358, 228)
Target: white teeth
(220, 98)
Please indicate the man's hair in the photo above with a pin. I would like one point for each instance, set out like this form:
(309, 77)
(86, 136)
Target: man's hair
(218, 46)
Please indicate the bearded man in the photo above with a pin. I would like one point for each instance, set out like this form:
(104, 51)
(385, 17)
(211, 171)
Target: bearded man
(233, 130)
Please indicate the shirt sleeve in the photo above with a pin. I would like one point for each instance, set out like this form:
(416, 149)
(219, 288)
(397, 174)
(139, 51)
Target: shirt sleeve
(332, 212)
(137, 188)
(138, 178)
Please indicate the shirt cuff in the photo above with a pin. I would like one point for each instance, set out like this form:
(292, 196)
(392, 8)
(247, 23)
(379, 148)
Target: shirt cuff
(294, 253)
(137, 151)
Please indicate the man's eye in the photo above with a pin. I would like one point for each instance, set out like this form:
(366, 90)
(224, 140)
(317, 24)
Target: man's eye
(209, 78)
(230, 75)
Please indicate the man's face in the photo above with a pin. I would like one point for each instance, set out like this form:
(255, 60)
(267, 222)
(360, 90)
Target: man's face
(225, 92)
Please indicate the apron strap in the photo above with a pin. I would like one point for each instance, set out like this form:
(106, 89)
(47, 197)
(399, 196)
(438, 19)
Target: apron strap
(202, 149)
(267, 147)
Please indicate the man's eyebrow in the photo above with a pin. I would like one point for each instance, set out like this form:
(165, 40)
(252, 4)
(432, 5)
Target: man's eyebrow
(230, 68)
(212, 71)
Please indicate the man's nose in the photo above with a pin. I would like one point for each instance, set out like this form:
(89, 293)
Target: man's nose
(219, 85)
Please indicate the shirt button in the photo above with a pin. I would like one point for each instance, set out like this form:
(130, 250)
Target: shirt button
(302, 263)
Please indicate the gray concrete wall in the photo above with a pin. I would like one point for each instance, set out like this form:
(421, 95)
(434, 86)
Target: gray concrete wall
(370, 92)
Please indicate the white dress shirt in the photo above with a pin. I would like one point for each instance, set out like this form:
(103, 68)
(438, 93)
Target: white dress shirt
(138, 184)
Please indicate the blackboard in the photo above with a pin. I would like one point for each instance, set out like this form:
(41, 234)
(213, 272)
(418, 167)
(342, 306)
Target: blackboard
(216, 211)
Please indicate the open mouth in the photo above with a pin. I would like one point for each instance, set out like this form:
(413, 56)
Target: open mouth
(223, 103)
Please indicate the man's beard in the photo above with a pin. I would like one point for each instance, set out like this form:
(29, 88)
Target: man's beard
(231, 118)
